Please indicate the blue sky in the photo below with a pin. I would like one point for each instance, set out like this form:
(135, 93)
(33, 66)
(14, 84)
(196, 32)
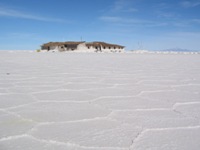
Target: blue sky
(136, 24)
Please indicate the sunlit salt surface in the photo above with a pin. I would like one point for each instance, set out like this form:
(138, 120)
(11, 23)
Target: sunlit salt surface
(99, 101)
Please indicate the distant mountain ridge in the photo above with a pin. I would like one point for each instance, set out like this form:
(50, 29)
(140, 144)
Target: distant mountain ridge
(179, 50)
(171, 50)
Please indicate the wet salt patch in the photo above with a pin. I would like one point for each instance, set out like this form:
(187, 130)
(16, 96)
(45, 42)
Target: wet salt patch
(13, 125)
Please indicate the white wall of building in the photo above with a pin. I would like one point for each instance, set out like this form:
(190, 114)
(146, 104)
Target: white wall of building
(82, 47)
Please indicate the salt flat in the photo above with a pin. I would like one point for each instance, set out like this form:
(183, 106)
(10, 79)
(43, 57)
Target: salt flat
(90, 101)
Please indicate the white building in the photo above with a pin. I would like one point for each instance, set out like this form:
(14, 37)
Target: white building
(82, 47)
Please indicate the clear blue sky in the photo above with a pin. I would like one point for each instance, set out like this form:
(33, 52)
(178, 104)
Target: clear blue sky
(146, 24)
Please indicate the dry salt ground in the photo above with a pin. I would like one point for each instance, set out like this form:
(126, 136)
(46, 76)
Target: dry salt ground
(89, 101)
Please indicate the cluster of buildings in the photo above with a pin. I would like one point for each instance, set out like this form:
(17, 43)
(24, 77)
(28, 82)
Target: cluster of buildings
(82, 47)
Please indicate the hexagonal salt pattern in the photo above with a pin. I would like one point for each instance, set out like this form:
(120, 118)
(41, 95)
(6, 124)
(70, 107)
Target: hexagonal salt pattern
(90, 101)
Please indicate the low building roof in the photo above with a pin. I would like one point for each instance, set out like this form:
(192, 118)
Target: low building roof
(103, 44)
(74, 44)
(61, 43)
